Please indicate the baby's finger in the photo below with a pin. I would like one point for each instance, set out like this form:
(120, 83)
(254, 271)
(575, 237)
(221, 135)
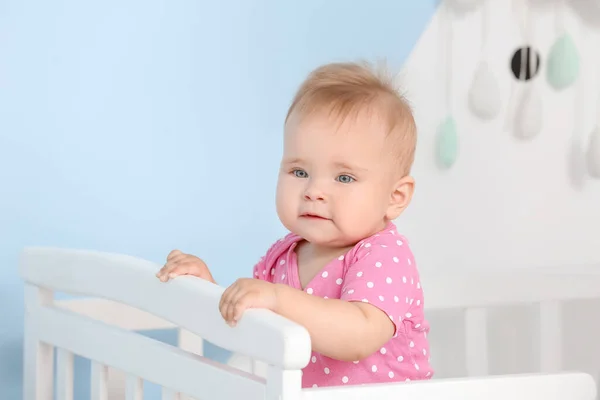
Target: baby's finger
(163, 273)
(238, 301)
(172, 259)
(240, 305)
(233, 306)
(180, 258)
(172, 270)
(174, 262)
(225, 296)
(181, 268)
(226, 305)
(173, 254)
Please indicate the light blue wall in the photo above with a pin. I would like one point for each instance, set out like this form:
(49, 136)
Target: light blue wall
(140, 126)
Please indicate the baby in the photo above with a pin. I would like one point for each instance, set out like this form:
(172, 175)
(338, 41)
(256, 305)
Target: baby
(344, 272)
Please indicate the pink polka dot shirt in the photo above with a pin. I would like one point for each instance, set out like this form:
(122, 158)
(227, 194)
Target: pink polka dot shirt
(379, 270)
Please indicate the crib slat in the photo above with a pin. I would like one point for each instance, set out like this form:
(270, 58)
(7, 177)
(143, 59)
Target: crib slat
(283, 384)
(168, 394)
(477, 358)
(259, 368)
(189, 342)
(134, 388)
(64, 374)
(38, 368)
(550, 340)
(99, 382)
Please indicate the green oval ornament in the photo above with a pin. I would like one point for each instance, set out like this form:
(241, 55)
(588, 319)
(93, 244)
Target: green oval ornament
(447, 143)
(563, 63)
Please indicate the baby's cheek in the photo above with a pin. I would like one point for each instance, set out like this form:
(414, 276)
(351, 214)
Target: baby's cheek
(286, 210)
(358, 220)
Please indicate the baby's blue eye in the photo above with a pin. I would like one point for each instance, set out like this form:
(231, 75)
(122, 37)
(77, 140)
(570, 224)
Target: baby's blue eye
(345, 179)
(298, 173)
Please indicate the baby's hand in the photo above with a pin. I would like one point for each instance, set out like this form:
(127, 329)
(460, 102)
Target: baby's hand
(179, 263)
(246, 293)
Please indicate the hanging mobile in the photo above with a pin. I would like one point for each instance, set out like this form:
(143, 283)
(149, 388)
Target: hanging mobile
(563, 59)
(484, 94)
(592, 156)
(528, 117)
(576, 154)
(447, 137)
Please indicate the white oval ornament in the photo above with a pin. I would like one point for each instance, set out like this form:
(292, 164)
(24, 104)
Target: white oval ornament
(528, 120)
(484, 94)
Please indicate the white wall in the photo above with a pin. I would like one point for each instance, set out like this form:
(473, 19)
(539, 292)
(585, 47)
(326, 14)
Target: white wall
(505, 202)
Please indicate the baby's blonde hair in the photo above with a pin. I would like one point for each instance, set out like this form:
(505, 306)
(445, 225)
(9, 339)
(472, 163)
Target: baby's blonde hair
(351, 88)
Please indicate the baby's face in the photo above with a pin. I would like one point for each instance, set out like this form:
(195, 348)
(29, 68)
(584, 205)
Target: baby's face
(336, 180)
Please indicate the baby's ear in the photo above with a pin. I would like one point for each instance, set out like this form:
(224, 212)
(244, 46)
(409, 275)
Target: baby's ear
(401, 196)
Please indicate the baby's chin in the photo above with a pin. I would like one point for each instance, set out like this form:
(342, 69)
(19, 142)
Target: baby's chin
(325, 236)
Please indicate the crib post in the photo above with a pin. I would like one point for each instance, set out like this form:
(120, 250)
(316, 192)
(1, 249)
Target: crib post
(64, 374)
(38, 357)
(550, 336)
(283, 384)
(476, 342)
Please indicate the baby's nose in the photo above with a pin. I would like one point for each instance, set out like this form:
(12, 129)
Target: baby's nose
(313, 193)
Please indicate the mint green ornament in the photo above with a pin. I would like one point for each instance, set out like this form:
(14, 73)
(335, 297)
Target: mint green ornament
(447, 143)
(563, 63)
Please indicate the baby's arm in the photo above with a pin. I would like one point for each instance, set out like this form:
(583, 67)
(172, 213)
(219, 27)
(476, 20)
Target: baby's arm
(343, 330)
(377, 295)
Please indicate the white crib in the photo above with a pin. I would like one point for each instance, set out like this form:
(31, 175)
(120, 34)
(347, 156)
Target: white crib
(278, 348)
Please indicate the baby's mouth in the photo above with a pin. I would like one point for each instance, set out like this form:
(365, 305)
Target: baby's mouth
(312, 216)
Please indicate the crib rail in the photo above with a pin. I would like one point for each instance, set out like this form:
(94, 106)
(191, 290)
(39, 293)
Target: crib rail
(128, 351)
(191, 304)
(492, 288)
(261, 334)
(573, 386)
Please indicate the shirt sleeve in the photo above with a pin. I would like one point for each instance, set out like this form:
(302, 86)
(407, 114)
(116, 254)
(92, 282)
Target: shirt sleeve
(260, 269)
(264, 268)
(384, 275)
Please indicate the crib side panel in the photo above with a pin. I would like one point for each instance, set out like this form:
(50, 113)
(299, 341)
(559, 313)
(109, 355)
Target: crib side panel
(141, 357)
(513, 321)
(187, 302)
